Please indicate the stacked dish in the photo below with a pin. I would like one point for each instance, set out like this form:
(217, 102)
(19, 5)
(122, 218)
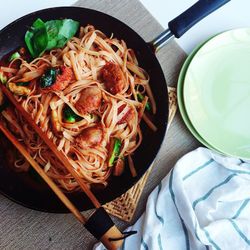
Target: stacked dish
(214, 93)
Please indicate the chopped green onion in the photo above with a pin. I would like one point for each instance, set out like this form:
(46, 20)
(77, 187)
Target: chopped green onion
(116, 145)
(3, 78)
(14, 56)
(70, 116)
(141, 98)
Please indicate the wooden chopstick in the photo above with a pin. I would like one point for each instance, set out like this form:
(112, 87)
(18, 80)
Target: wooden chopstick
(51, 145)
(112, 233)
(41, 172)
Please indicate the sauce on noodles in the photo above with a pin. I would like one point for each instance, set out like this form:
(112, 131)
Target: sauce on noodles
(89, 97)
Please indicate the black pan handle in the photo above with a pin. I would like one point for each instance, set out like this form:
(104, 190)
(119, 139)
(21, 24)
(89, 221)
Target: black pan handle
(182, 23)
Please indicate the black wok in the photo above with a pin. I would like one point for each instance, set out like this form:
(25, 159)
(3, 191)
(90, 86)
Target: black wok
(25, 189)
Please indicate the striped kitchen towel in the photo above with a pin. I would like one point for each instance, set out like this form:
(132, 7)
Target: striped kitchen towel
(203, 203)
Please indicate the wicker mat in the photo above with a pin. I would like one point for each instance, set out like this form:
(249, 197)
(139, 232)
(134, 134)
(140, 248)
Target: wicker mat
(124, 206)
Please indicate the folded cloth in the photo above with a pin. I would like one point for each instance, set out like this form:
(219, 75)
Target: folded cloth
(203, 203)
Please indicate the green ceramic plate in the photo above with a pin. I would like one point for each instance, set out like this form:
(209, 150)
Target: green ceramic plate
(180, 100)
(216, 92)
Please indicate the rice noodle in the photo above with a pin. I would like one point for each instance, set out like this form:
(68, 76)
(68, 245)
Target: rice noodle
(86, 56)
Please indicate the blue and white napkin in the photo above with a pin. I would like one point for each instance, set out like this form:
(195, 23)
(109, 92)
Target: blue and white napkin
(203, 203)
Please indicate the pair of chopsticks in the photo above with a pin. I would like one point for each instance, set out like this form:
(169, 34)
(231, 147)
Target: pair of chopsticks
(107, 233)
(51, 145)
(41, 172)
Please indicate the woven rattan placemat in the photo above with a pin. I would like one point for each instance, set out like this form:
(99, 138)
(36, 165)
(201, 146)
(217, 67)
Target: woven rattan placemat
(124, 206)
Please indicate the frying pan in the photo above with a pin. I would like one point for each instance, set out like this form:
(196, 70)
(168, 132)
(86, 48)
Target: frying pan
(32, 193)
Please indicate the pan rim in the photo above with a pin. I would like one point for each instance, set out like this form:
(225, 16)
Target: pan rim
(36, 13)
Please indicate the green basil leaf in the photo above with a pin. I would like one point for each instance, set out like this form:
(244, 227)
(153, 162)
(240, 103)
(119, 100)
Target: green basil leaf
(38, 24)
(40, 42)
(36, 38)
(49, 35)
(61, 41)
(69, 28)
(53, 28)
(60, 31)
(28, 40)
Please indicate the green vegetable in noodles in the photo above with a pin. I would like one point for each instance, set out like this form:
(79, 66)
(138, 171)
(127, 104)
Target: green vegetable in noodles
(60, 31)
(14, 56)
(116, 148)
(3, 78)
(49, 35)
(141, 98)
(36, 38)
(53, 28)
(49, 77)
(70, 116)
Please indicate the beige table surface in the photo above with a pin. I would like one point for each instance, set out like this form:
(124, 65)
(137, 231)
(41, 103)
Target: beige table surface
(22, 228)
